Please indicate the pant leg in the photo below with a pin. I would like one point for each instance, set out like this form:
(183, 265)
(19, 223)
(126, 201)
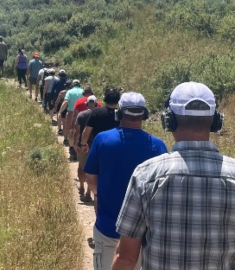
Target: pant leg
(19, 75)
(105, 248)
(24, 75)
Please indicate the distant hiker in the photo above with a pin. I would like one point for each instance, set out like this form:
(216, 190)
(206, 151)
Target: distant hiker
(21, 65)
(112, 159)
(60, 100)
(3, 54)
(42, 74)
(47, 97)
(103, 118)
(33, 69)
(56, 89)
(80, 124)
(70, 98)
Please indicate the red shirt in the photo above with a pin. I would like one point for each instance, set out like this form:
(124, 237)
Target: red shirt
(81, 106)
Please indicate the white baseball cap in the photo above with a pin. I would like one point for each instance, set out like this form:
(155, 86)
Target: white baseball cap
(91, 98)
(132, 100)
(186, 92)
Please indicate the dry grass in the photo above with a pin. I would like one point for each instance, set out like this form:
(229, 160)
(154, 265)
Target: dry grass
(39, 223)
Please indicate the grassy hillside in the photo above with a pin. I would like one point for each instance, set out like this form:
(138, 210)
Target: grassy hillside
(39, 226)
(145, 45)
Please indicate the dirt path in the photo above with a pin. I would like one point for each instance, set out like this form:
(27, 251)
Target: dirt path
(85, 210)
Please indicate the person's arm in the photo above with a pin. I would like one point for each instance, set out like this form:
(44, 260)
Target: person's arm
(75, 114)
(58, 99)
(85, 137)
(76, 137)
(127, 253)
(63, 106)
(17, 61)
(45, 89)
(92, 182)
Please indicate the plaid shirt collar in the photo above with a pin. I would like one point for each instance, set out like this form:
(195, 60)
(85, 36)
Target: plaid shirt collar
(194, 145)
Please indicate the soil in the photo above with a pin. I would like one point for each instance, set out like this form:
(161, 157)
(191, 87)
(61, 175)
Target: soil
(86, 213)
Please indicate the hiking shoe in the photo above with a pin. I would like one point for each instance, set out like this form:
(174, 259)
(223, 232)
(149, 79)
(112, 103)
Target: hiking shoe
(30, 96)
(66, 142)
(36, 99)
(60, 132)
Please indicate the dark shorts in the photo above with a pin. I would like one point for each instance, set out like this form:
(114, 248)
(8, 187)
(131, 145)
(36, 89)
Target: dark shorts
(48, 99)
(33, 80)
(63, 114)
(1, 63)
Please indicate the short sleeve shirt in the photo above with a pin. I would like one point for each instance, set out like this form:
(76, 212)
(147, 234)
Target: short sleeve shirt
(102, 119)
(182, 206)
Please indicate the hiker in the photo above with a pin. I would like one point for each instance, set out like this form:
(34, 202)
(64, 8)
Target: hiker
(103, 118)
(42, 74)
(33, 68)
(80, 104)
(60, 100)
(59, 86)
(113, 156)
(21, 65)
(3, 54)
(70, 98)
(47, 97)
(91, 103)
(180, 207)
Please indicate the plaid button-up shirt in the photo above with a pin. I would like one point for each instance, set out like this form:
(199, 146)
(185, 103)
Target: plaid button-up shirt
(182, 206)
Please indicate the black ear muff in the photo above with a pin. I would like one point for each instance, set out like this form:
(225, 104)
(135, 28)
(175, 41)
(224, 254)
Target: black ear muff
(168, 118)
(218, 121)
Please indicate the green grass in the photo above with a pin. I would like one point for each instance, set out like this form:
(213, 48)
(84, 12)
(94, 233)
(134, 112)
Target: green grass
(39, 228)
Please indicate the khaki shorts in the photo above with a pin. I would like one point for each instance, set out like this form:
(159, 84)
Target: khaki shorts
(105, 249)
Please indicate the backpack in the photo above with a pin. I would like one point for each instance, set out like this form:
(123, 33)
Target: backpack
(45, 74)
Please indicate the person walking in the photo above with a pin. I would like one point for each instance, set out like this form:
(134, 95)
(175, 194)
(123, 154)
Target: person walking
(33, 69)
(42, 74)
(3, 55)
(112, 158)
(180, 207)
(59, 102)
(21, 65)
(47, 97)
(91, 103)
(101, 119)
(70, 98)
(58, 86)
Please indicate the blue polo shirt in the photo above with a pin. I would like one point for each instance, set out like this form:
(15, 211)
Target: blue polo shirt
(113, 157)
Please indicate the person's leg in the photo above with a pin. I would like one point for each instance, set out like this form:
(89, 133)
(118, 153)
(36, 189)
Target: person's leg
(82, 175)
(30, 86)
(1, 66)
(41, 91)
(36, 89)
(51, 106)
(68, 122)
(23, 76)
(104, 251)
(18, 71)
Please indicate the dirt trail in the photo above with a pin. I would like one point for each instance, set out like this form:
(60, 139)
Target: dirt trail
(85, 210)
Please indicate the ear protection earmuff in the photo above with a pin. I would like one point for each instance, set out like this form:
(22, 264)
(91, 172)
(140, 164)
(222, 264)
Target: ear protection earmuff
(169, 121)
(118, 112)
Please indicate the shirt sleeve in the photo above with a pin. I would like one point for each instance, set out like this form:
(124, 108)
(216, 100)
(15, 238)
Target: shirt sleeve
(91, 119)
(131, 219)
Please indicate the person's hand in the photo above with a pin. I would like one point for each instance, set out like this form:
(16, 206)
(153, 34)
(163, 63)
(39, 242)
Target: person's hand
(85, 148)
(71, 131)
(76, 148)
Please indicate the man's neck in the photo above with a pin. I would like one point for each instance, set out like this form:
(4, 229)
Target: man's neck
(111, 106)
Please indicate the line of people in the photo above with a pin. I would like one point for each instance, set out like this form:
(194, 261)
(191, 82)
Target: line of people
(154, 209)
